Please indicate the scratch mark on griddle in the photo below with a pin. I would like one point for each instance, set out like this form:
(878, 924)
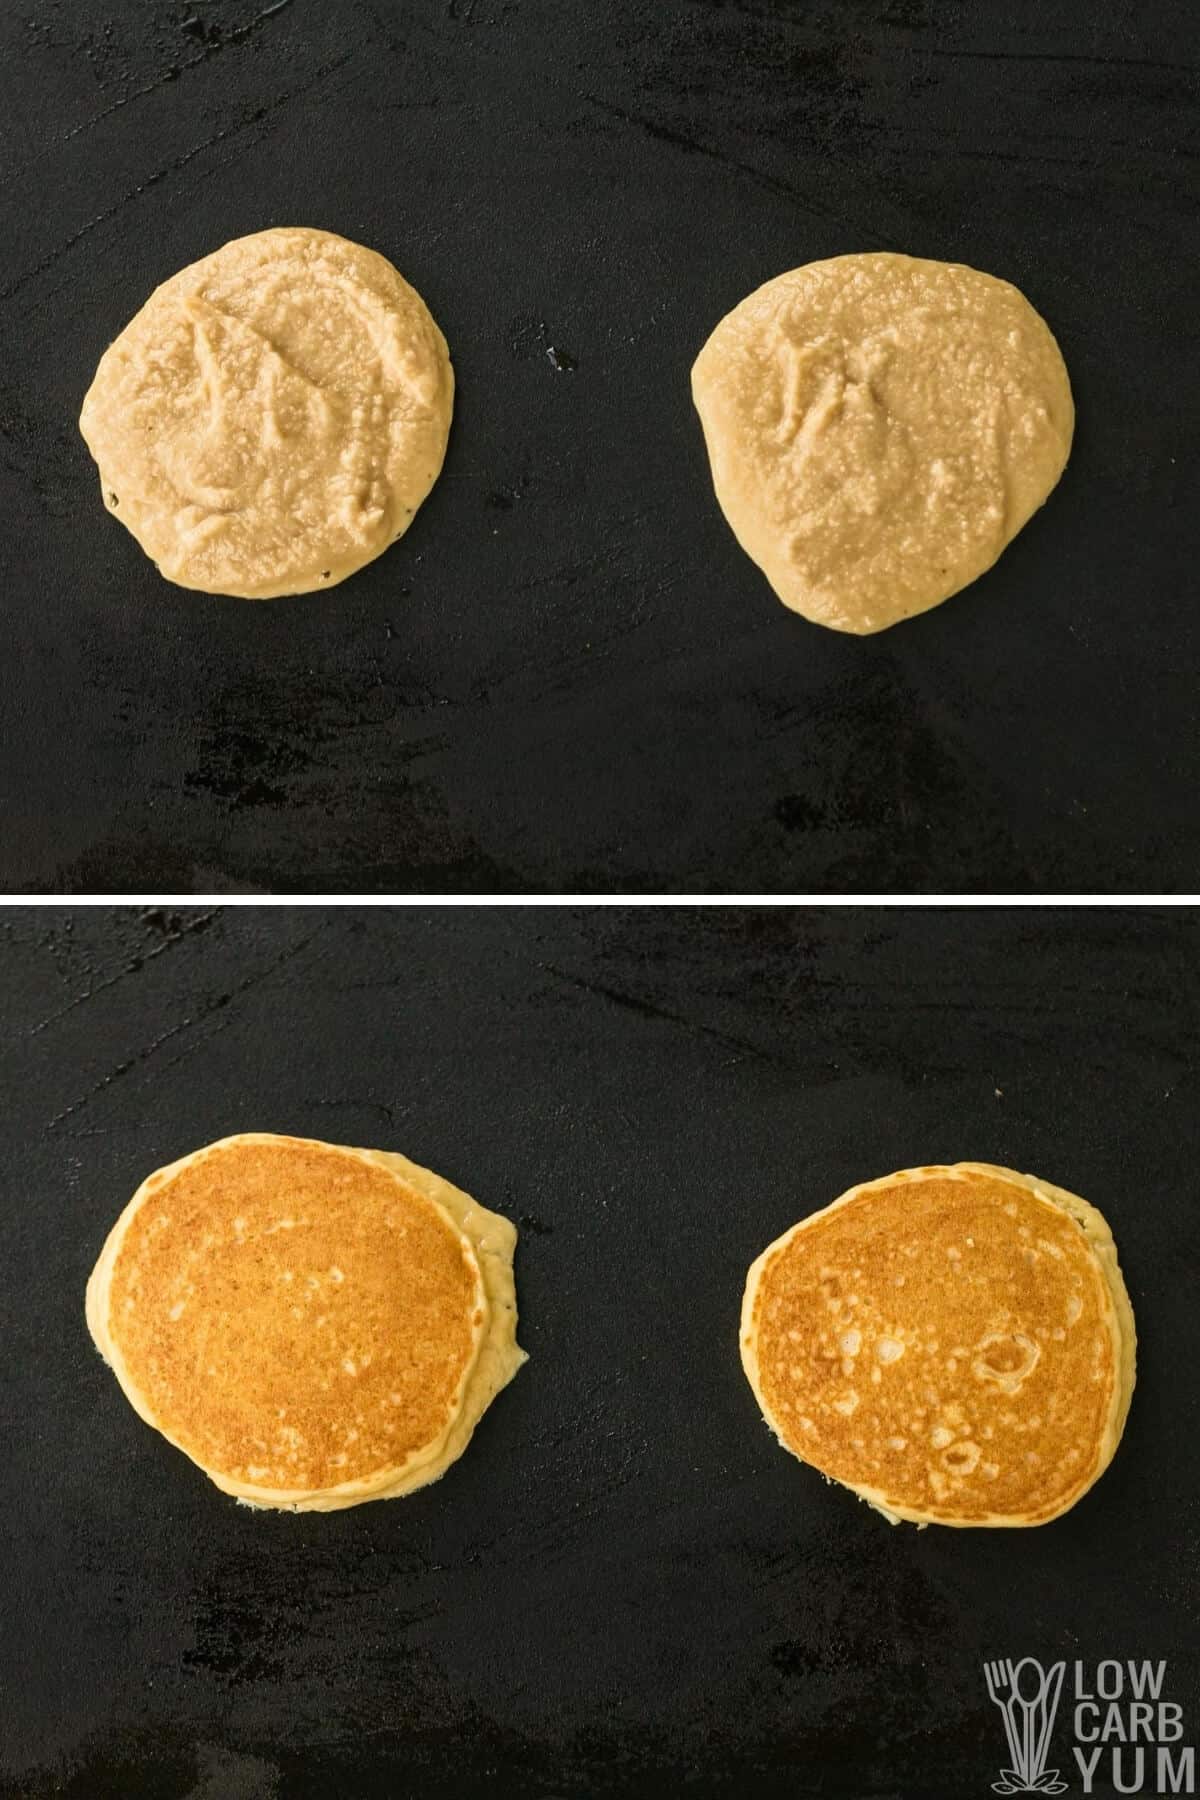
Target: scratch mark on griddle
(648, 1009)
(171, 168)
(211, 171)
(902, 138)
(668, 134)
(192, 925)
(235, 36)
(375, 1106)
(1054, 56)
(216, 1005)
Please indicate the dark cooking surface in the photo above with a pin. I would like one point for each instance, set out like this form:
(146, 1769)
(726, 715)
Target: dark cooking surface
(625, 1587)
(568, 677)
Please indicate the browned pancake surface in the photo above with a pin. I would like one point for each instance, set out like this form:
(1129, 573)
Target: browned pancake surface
(293, 1316)
(942, 1341)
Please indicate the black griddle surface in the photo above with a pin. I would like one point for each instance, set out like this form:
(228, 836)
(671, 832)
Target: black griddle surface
(567, 677)
(625, 1587)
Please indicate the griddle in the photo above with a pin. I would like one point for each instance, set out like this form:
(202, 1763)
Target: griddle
(568, 678)
(625, 1587)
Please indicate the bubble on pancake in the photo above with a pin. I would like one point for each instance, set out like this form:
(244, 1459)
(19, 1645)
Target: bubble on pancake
(1006, 1358)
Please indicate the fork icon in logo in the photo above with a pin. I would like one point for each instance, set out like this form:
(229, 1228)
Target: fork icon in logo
(1027, 1696)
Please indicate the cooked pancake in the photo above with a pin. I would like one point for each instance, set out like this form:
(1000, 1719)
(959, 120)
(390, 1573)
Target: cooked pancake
(955, 1345)
(313, 1325)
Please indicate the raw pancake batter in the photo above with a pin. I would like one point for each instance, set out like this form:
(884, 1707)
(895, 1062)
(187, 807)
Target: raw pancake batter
(879, 428)
(273, 416)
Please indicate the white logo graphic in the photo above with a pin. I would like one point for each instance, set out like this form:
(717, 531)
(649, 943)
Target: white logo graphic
(1124, 1731)
(1027, 1695)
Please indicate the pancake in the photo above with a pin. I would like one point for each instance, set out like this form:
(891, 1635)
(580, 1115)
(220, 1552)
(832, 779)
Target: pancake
(273, 416)
(955, 1345)
(879, 427)
(313, 1325)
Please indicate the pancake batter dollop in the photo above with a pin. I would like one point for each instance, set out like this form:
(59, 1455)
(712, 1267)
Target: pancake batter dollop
(879, 428)
(273, 416)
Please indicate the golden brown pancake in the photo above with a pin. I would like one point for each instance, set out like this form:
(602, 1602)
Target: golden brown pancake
(955, 1345)
(313, 1325)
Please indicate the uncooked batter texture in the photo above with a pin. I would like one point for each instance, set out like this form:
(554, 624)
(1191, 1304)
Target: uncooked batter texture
(313, 1325)
(879, 428)
(953, 1343)
(273, 416)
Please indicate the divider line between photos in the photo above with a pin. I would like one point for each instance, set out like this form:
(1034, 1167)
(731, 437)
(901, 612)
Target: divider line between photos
(602, 900)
